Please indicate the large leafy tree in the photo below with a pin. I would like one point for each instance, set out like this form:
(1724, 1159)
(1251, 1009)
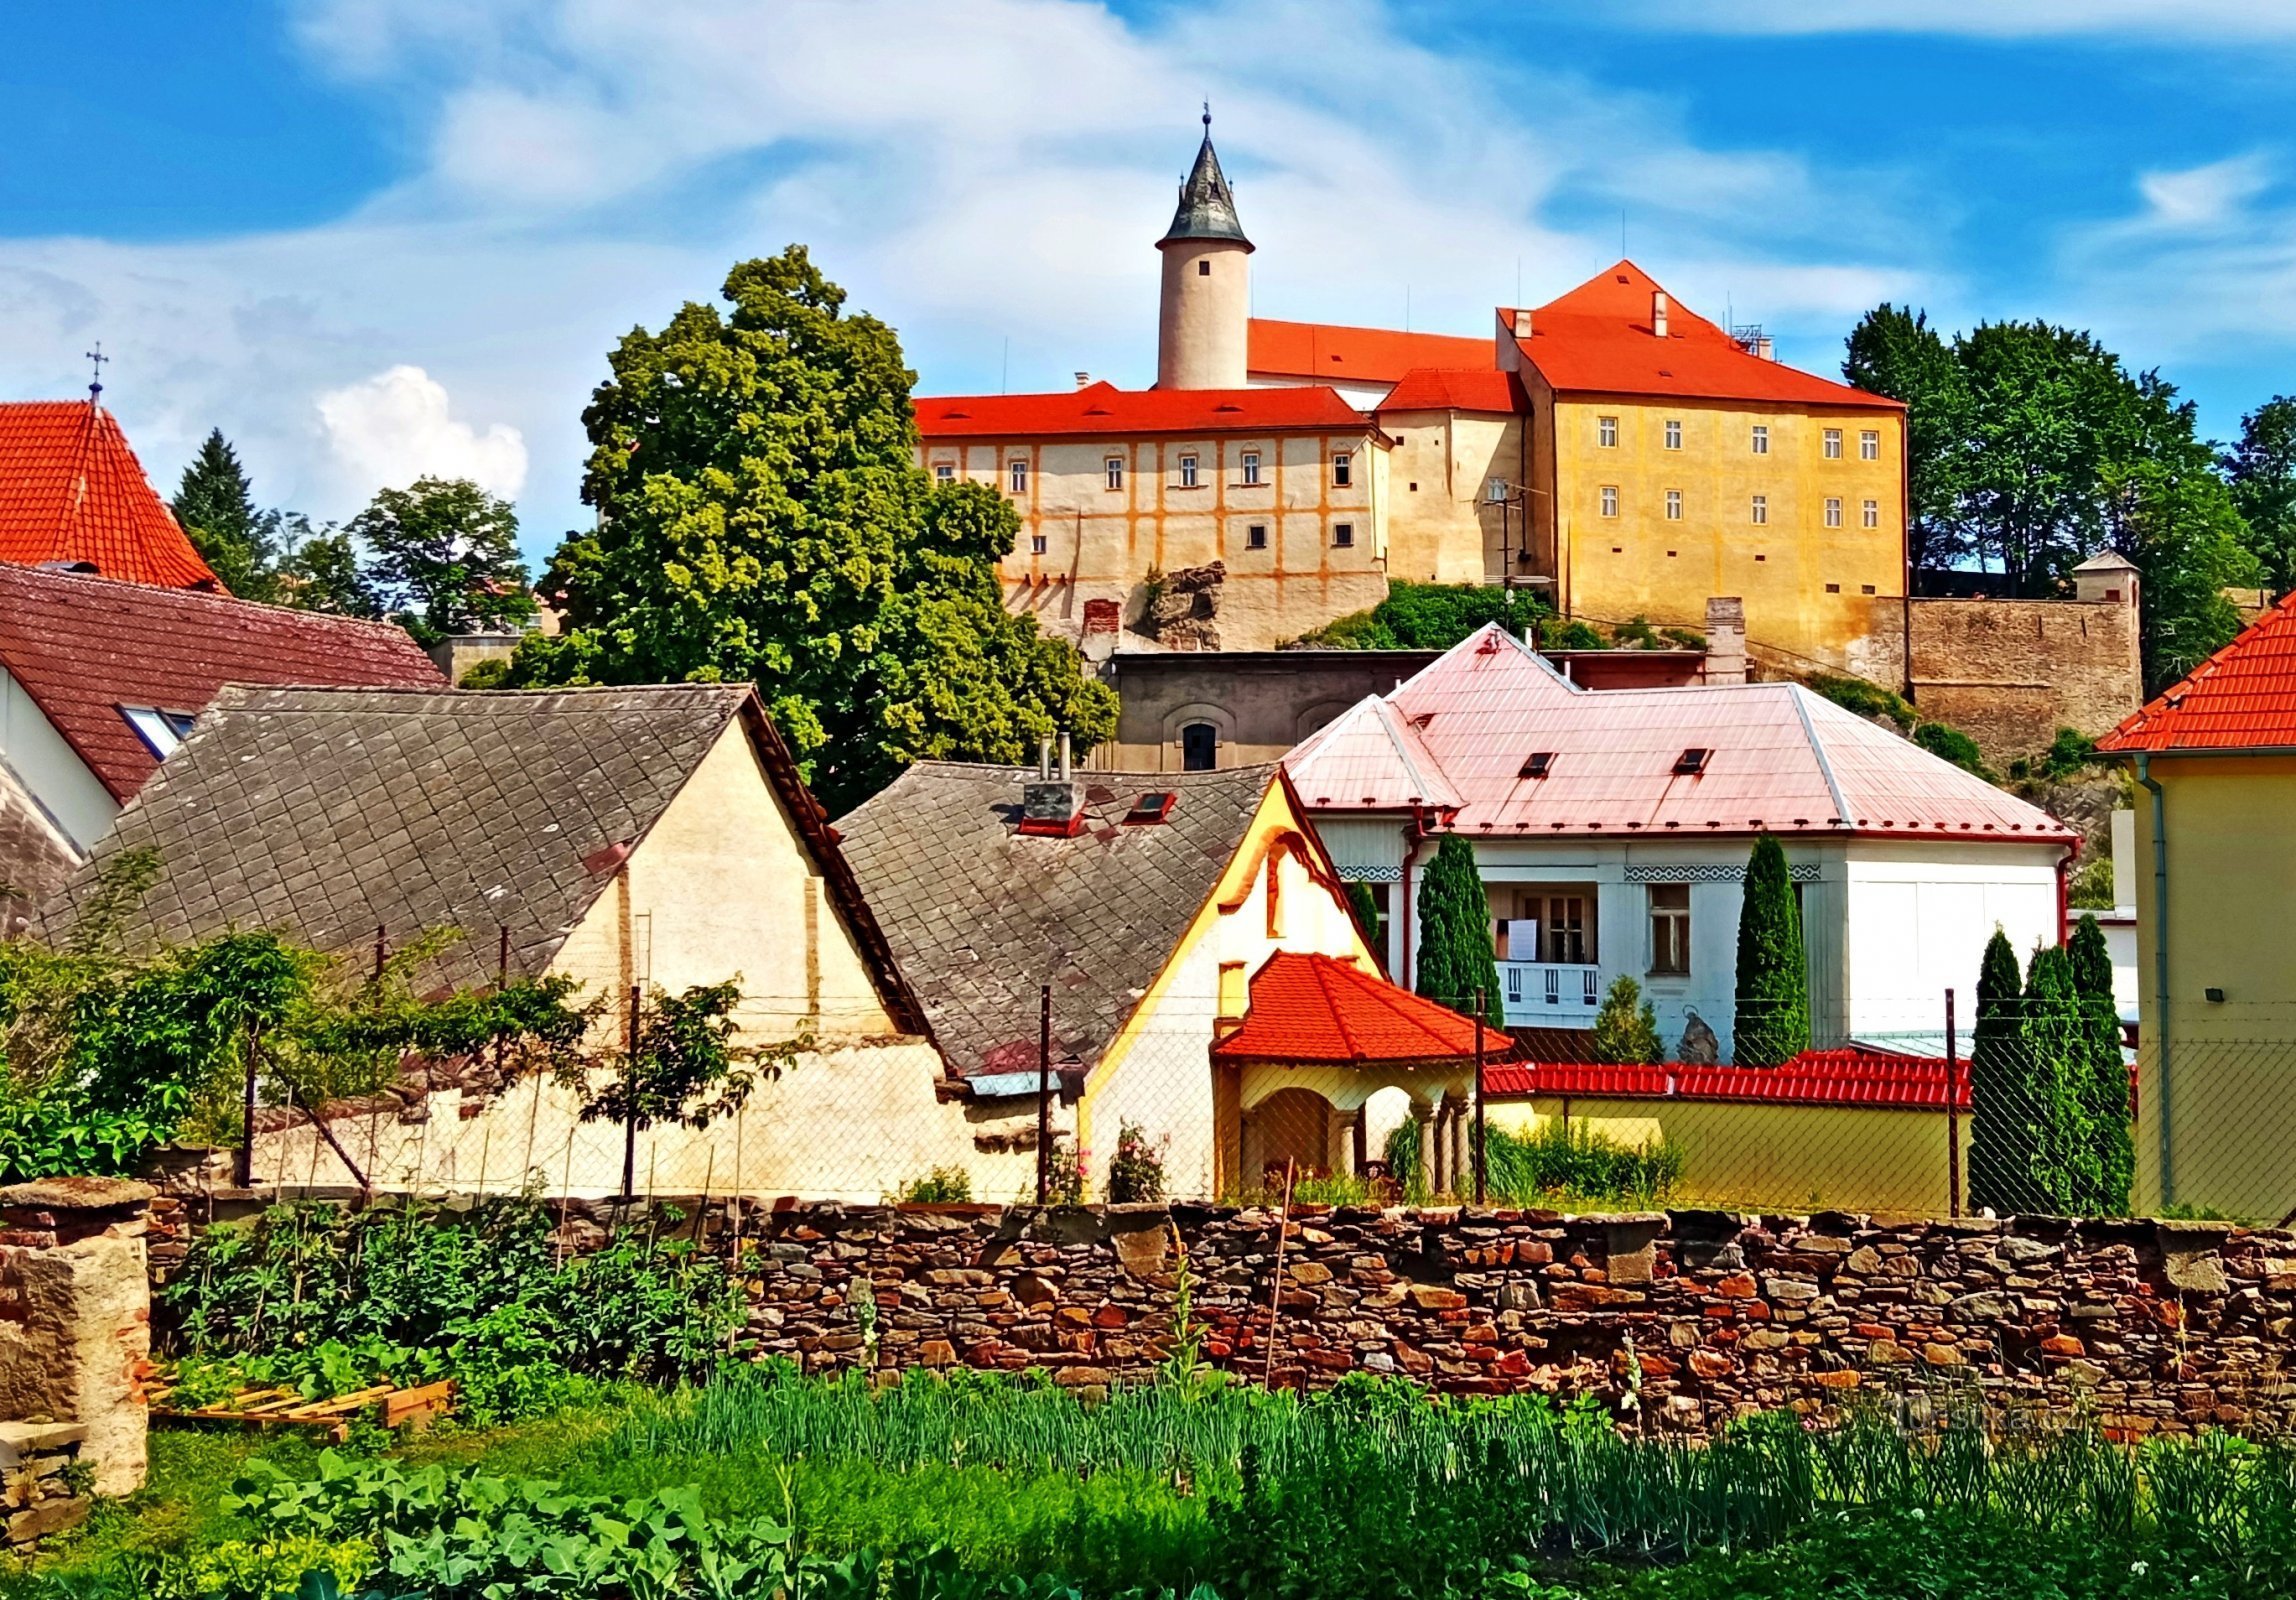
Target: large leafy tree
(1456, 959)
(2261, 470)
(1894, 351)
(443, 554)
(1773, 1024)
(2177, 521)
(761, 516)
(215, 503)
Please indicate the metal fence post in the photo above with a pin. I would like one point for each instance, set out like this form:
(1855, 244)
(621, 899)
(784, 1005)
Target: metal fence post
(1952, 1116)
(1482, 1128)
(1044, 1095)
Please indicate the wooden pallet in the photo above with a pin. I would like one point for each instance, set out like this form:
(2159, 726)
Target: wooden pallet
(417, 1408)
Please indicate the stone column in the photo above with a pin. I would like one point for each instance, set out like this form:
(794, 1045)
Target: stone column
(75, 1316)
(1425, 1118)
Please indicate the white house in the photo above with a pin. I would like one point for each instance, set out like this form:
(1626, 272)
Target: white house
(1612, 832)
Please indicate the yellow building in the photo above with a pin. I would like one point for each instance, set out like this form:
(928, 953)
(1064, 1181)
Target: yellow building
(2215, 760)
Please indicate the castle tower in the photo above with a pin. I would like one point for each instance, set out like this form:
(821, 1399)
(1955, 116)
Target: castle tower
(1207, 301)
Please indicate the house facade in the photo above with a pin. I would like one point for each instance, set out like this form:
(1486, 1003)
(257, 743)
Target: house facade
(1612, 831)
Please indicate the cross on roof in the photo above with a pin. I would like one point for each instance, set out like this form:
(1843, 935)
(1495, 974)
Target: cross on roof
(96, 383)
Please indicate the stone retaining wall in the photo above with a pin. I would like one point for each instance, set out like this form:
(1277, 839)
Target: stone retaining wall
(43, 1487)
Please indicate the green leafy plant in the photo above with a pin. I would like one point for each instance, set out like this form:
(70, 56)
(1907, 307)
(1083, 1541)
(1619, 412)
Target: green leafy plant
(1136, 1170)
(943, 1186)
(1626, 1026)
(680, 1065)
(1430, 616)
(1773, 1021)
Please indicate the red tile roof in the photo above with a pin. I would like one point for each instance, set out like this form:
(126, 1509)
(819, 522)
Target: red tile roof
(1329, 353)
(83, 647)
(1597, 339)
(1314, 1010)
(72, 491)
(1102, 410)
(1871, 1079)
(1455, 389)
(2240, 698)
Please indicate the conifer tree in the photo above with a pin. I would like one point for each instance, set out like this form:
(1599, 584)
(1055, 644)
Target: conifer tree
(215, 504)
(1626, 1028)
(1996, 1084)
(2104, 1075)
(2061, 1157)
(1773, 1023)
(1455, 955)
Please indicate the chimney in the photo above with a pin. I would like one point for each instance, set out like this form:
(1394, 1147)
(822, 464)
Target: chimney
(1084, 380)
(1522, 324)
(1052, 806)
(1658, 312)
(1765, 349)
(1725, 639)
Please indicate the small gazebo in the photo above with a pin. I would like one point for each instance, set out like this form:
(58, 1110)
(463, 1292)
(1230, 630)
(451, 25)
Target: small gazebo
(1319, 1037)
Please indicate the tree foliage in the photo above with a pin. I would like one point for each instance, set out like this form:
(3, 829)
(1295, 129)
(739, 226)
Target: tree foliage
(1894, 351)
(761, 516)
(1626, 1028)
(1432, 616)
(1997, 1082)
(2101, 1073)
(2178, 523)
(443, 558)
(1456, 959)
(215, 503)
(2261, 471)
(1773, 1021)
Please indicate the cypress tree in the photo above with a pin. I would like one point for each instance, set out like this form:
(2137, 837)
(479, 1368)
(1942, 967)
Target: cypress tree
(1773, 1023)
(1455, 954)
(2104, 1076)
(1996, 1083)
(215, 504)
(2060, 1154)
(1626, 1028)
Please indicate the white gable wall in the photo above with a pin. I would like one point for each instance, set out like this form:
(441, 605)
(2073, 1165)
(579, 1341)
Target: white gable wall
(1921, 913)
(50, 770)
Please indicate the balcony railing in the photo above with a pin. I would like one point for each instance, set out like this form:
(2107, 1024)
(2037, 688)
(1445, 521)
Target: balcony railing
(1553, 994)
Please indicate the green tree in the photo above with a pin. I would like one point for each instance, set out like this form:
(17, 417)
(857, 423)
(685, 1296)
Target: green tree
(2061, 1158)
(1456, 957)
(1998, 1091)
(1626, 1028)
(2102, 1073)
(1894, 351)
(1773, 1022)
(443, 558)
(2261, 471)
(322, 572)
(2178, 524)
(761, 516)
(216, 506)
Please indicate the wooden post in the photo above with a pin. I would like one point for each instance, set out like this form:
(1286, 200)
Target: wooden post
(1952, 1116)
(1044, 1095)
(1276, 1286)
(243, 1169)
(1482, 1127)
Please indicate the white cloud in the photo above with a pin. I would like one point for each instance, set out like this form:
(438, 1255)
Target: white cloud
(2202, 197)
(2229, 21)
(393, 428)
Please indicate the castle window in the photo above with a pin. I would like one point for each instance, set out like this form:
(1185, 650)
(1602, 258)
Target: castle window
(1199, 747)
(1761, 509)
(1606, 432)
(1870, 513)
(1204, 266)
(1115, 472)
(1187, 472)
(1833, 511)
(1869, 444)
(1673, 433)
(1036, 544)
(1761, 439)
(1343, 533)
(1833, 440)
(1833, 588)
(1342, 469)
(1865, 588)
(1251, 466)
(1610, 499)
(1256, 536)
(944, 473)
(1019, 477)
(1674, 505)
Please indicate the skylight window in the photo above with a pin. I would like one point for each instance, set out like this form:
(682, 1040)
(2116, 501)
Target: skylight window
(1540, 763)
(1154, 805)
(1692, 761)
(161, 730)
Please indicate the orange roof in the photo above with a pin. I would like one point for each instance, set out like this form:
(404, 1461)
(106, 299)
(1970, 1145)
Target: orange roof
(1597, 339)
(1335, 354)
(1102, 410)
(1317, 1011)
(2241, 698)
(1455, 389)
(73, 493)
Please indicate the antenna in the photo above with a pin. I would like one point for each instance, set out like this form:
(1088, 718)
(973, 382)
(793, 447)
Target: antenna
(96, 383)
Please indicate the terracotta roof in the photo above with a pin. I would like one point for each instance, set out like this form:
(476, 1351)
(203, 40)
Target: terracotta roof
(980, 916)
(1331, 353)
(1778, 759)
(1102, 410)
(1848, 1077)
(84, 647)
(72, 491)
(1456, 389)
(1597, 339)
(2241, 698)
(1315, 1010)
(326, 813)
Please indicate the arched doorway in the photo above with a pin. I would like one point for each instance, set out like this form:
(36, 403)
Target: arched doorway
(1290, 1125)
(1199, 747)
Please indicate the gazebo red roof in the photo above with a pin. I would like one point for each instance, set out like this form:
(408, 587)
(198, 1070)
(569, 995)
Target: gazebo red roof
(1318, 1011)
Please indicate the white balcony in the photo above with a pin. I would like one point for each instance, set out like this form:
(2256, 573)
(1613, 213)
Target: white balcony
(1550, 994)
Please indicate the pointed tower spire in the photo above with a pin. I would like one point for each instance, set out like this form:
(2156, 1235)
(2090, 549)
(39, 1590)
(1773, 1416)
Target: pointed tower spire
(1207, 205)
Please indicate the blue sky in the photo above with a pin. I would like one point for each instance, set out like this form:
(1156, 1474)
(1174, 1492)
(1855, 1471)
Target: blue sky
(372, 238)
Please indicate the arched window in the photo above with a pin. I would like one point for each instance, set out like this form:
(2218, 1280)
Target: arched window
(1199, 747)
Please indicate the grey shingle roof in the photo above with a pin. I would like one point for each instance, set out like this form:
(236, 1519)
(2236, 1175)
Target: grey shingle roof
(979, 916)
(324, 813)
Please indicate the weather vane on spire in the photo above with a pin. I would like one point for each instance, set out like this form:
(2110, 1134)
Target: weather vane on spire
(96, 383)
(1207, 116)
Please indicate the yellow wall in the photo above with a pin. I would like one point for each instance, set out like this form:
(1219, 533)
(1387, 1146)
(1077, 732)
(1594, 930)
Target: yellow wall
(2231, 829)
(1101, 543)
(1638, 563)
(1785, 1158)
(1441, 527)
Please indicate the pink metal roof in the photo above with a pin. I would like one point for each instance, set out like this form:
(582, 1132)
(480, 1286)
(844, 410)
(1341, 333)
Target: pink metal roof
(1370, 758)
(1780, 760)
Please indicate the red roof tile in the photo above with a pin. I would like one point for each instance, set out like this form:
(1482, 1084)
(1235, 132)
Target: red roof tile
(1313, 1010)
(83, 647)
(1102, 410)
(1849, 1077)
(1455, 389)
(2240, 698)
(1330, 353)
(72, 491)
(1597, 339)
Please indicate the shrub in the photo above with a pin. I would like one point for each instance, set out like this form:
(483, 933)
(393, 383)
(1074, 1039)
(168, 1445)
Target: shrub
(1626, 1028)
(1456, 961)
(1430, 616)
(1952, 745)
(1571, 1160)
(1773, 1023)
(1136, 1171)
(943, 1186)
(1865, 698)
(2068, 755)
